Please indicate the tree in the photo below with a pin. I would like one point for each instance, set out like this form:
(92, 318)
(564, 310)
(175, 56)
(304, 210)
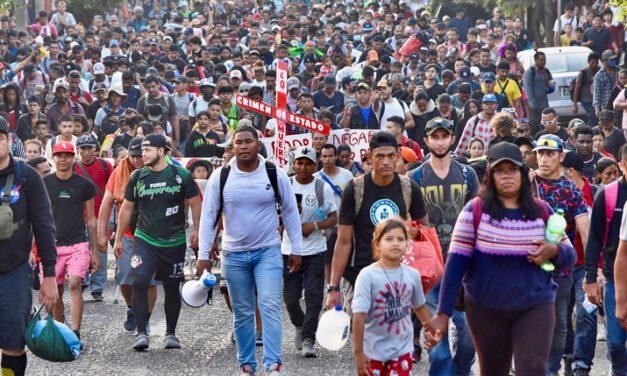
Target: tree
(622, 8)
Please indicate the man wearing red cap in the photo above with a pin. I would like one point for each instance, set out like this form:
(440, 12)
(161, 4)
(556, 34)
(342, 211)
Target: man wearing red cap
(72, 200)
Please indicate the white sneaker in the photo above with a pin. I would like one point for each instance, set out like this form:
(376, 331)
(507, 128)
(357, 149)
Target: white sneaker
(274, 370)
(308, 348)
(247, 370)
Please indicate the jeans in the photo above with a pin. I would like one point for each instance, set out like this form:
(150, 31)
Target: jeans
(592, 117)
(311, 276)
(616, 335)
(441, 361)
(564, 284)
(585, 332)
(574, 304)
(243, 271)
(98, 280)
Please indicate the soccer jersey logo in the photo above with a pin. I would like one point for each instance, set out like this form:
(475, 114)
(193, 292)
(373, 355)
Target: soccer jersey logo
(383, 209)
(136, 261)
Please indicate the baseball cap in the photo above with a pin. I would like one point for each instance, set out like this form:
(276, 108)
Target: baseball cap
(235, 73)
(311, 58)
(573, 160)
(86, 140)
(464, 72)
(439, 123)
(608, 55)
(114, 42)
(475, 71)
(489, 77)
(373, 55)
(156, 141)
(4, 125)
(363, 85)
(98, 87)
(574, 123)
(504, 151)
(329, 80)
(305, 152)
(414, 57)
(606, 115)
(60, 82)
(549, 142)
(381, 139)
(408, 155)
(63, 147)
(99, 68)
(383, 83)
(293, 83)
(181, 79)
(135, 147)
(489, 98)
(503, 65)
(207, 82)
(525, 140)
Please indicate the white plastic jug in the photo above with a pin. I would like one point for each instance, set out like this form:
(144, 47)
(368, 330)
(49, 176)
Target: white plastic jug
(333, 329)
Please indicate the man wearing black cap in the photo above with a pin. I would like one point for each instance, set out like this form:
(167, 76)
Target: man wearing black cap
(489, 87)
(97, 171)
(368, 200)
(329, 97)
(525, 145)
(31, 215)
(160, 192)
(614, 138)
(463, 77)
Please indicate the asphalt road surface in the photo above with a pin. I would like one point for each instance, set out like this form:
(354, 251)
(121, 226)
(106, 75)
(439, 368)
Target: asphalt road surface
(206, 346)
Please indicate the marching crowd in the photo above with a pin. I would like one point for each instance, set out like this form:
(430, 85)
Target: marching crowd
(95, 119)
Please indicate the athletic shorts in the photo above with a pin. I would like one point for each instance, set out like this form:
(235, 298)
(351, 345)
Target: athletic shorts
(164, 263)
(73, 260)
(123, 265)
(15, 306)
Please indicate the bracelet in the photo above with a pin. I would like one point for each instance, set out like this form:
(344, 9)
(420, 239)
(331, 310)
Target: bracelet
(316, 226)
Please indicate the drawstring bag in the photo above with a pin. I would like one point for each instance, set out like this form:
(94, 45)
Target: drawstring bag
(51, 340)
(425, 255)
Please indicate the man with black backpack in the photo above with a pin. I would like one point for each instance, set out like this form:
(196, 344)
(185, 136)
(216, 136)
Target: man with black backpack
(167, 115)
(159, 191)
(581, 89)
(251, 191)
(29, 214)
(97, 171)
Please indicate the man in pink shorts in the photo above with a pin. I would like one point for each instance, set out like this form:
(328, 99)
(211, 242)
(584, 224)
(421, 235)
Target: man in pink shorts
(72, 200)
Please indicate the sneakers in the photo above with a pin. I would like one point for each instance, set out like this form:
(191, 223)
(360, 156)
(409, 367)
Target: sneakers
(601, 333)
(141, 342)
(97, 296)
(258, 338)
(247, 370)
(129, 324)
(148, 329)
(171, 342)
(298, 338)
(308, 348)
(274, 370)
(78, 335)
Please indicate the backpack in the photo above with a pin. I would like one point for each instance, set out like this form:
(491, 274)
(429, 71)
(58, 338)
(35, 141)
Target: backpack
(477, 212)
(86, 174)
(611, 197)
(417, 175)
(7, 226)
(271, 170)
(319, 190)
(108, 126)
(164, 102)
(359, 188)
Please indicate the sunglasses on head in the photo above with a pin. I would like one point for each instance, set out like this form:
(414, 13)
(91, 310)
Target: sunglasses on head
(549, 143)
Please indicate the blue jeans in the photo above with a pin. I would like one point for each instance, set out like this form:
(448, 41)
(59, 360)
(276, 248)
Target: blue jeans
(98, 280)
(589, 108)
(261, 268)
(441, 361)
(585, 328)
(616, 335)
(564, 285)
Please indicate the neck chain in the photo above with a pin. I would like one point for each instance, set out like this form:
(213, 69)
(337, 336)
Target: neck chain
(397, 288)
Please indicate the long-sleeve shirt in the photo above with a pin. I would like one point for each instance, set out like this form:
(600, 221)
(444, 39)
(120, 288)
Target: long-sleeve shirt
(620, 99)
(249, 211)
(602, 88)
(493, 263)
(478, 126)
(33, 205)
(595, 235)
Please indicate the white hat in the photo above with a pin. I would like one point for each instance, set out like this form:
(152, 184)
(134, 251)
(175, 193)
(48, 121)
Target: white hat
(235, 73)
(99, 68)
(475, 71)
(60, 82)
(118, 89)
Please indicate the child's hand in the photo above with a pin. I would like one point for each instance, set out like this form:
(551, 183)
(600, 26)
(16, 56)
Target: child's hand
(432, 339)
(434, 329)
(361, 362)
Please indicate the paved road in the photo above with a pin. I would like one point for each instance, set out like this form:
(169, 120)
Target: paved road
(207, 349)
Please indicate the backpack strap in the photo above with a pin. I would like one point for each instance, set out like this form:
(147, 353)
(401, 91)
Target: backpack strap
(224, 175)
(319, 192)
(359, 187)
(8, 186)
(274, 181)
(87, 175)
(610, 196)
(469, 182)
(105, 168)
(406, 188)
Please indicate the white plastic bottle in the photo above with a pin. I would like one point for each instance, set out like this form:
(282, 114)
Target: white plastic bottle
(333, 329)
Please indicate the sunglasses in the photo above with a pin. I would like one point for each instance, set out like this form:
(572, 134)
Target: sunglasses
(549, 143)
(444, 124)
(547, 122)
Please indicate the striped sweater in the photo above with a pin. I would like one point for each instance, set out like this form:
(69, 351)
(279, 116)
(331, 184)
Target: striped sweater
(494, 266)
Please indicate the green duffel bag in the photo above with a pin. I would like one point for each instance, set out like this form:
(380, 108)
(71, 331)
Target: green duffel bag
(51, 340)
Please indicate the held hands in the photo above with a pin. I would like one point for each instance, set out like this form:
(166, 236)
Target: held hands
(434, 329)
(545, 251)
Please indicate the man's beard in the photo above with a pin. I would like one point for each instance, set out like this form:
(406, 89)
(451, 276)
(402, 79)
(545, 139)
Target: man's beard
(152, 162)
(439, 156)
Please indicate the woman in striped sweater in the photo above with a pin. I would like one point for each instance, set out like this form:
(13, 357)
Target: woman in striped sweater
(497, 248)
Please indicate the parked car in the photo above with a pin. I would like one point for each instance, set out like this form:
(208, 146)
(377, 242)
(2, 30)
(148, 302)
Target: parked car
(564, 64)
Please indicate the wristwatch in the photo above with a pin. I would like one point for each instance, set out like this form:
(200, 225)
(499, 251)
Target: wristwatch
(332, 288)
(316, 226)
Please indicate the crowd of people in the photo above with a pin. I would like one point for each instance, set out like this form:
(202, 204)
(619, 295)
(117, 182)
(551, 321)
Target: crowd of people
(123, 132)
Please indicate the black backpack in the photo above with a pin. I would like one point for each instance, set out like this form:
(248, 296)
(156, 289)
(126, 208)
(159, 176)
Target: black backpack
(272, 175)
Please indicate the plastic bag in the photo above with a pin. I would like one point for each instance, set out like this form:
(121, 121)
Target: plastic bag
(51, 340)
(425, 255)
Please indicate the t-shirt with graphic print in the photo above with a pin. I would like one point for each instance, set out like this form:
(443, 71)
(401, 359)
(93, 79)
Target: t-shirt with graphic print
(311, 212)
(387, 296)
(160, 199)
(446, 198)
(562, 193)
(378, 204)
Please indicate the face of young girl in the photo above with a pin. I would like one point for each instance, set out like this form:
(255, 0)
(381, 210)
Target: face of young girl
(597, 143)
(475, 150)
(393, 245)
